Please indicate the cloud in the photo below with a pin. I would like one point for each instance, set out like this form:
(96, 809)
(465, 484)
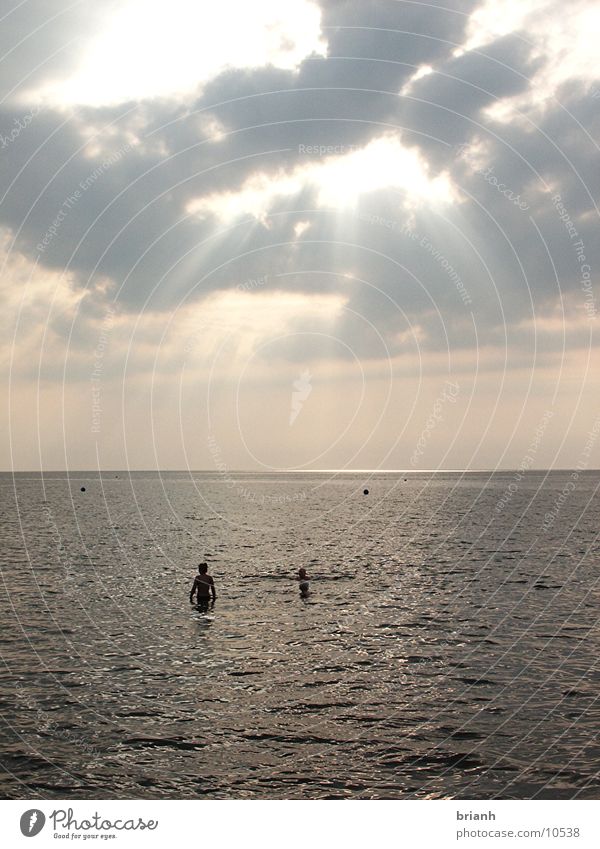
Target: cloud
(562, 45)
(194, 188)
(38, 40)
(179, 47)
(337, 180)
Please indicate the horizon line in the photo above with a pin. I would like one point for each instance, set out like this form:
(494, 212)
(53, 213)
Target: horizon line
(300, 471)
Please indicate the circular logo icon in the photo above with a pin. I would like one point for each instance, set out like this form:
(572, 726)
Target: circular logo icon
(32, 822)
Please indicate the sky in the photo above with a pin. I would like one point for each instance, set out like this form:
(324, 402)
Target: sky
(299, 235)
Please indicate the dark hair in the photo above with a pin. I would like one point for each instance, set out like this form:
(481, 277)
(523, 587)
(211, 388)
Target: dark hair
(203, 567)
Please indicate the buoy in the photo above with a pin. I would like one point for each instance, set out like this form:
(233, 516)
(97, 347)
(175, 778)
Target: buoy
(83, 489)
(365, 491)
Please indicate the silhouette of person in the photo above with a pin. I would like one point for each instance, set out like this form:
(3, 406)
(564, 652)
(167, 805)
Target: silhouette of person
(303, 579)
(203, 586)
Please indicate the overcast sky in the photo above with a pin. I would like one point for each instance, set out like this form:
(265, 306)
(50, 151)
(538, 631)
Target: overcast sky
(293, 234)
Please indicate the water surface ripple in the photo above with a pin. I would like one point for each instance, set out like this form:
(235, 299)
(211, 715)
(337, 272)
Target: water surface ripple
(449, 647)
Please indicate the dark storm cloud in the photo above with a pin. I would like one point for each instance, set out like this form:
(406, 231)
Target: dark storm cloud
(130, 224)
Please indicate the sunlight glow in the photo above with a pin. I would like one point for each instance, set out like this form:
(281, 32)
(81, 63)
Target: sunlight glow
(300, 228)
(247, 319)
(338, 181)
(565, 41)
(151, 49)
(496, 18)
(422, 71)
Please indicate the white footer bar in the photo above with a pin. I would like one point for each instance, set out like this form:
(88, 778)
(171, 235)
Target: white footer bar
(302, 824)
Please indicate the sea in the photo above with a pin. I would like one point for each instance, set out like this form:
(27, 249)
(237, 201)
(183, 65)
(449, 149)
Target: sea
(448, 648)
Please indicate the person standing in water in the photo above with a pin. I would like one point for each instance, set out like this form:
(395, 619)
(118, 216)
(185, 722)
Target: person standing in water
(204, 586)
(303, 582)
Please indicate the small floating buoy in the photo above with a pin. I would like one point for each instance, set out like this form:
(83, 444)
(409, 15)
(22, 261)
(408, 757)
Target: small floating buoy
(365, 491)
(83, 489)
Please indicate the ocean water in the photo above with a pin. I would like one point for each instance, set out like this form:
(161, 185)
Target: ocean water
(448, 649)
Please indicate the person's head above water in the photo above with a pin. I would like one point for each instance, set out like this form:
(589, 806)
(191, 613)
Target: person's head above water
(203, 568)
(302, 573)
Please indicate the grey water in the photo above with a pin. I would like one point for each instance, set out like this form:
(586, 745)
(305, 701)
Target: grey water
(448, 648)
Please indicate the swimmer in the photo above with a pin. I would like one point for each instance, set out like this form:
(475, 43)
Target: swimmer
(204, 586)
(303, 582)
